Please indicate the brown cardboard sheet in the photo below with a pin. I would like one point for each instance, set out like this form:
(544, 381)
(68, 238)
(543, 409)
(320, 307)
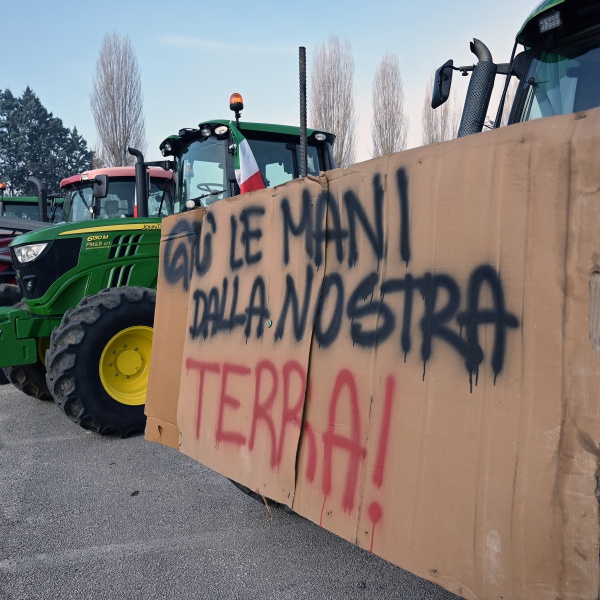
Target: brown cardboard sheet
(403, 352)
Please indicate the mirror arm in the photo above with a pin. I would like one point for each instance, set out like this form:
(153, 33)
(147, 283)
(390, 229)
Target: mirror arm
(464, 70)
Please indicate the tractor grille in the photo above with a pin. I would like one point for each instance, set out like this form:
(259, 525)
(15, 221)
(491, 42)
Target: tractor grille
(125, 245)
(35, 278)
(120, 276)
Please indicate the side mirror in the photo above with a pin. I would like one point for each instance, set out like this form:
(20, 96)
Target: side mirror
(442, 84)
(520, 64)
(100, 186)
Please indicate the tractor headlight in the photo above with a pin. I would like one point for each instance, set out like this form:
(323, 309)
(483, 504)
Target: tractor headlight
(30, 252)
(550, 21)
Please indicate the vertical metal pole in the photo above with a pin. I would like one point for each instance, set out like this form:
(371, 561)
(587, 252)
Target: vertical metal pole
(303, 149)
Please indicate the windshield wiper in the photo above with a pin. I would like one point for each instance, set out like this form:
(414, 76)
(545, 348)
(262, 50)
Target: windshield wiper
(198, 198)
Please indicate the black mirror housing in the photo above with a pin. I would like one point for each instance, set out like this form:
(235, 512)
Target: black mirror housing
(100, 186)
(520, 64)
(442, 84)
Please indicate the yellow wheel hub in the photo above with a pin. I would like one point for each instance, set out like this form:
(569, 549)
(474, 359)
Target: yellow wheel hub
(125, 365)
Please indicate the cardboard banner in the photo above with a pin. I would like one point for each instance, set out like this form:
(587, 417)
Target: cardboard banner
(404, 352)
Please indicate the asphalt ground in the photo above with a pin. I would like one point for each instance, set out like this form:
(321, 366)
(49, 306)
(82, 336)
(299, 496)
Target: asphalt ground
(90, 517)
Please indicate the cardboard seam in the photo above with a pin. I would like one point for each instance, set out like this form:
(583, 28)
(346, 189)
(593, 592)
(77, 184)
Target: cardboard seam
(517, 542)
(382, 271)
(425, 395)
(324, 189)
(557, 493)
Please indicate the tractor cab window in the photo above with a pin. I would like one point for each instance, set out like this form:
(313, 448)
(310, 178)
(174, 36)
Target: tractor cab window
(202, 176)
(120, 202)
(161, 202)
(563, 78)
(279, 162)
(20, 210)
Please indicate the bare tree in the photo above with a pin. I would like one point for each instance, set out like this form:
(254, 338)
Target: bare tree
(117, 101)
(98, 161)
(442, 123)
(332, 97)
(390, 124)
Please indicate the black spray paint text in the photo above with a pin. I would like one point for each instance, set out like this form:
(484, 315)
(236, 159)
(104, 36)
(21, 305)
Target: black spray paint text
(376, 311)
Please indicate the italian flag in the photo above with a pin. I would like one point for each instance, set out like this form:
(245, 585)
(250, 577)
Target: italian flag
(246, 170)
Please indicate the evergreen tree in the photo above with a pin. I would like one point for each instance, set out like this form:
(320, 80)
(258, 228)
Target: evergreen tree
(34, 142)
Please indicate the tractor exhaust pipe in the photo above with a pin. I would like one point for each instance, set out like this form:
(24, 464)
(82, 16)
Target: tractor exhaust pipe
(42, 195)
(141, 182)
(479, 92)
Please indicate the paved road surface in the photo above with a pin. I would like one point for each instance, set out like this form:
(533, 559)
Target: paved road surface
(85, 517)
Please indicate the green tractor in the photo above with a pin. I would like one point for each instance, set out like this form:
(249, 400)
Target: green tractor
(557, 70)
(26, 207)
(48, 254)
(18, 215)
(83, 336)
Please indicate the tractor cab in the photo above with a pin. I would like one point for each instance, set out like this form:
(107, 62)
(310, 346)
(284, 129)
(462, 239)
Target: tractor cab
(110, 193)
(222, 158)
(557, 69)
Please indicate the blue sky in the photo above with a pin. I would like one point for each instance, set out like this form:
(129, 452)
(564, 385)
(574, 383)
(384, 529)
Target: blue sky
(193, 55)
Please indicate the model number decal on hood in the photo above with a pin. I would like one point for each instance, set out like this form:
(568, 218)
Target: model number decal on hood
(95, 242)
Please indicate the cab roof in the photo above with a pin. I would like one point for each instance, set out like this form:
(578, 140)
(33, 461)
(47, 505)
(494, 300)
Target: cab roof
(529, 26)
(572, 12)
(247, 126)
(114, 172)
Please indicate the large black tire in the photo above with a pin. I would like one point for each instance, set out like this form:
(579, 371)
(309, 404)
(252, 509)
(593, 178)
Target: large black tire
(99, 360)
(10, 294)
(30, 379)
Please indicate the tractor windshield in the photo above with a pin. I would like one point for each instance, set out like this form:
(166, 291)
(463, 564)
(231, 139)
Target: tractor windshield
(28, 210)
(202, 171)
(21, 210)
(120, 201)
(205, 166)
(562, 77)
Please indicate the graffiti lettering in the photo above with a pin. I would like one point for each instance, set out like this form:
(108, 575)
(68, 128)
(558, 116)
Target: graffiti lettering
(270, 387)
(248, 238)
(349, 443)
(379, 309)
(272, 396)
(180, 258)
(370, 314)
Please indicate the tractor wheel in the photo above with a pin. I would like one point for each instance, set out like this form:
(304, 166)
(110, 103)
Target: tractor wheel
(31, 379)
(99, 360)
